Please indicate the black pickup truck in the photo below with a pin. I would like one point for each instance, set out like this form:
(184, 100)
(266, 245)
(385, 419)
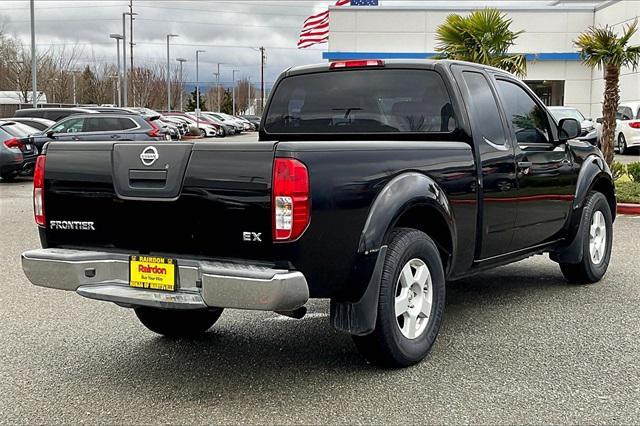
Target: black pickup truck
(372, 184)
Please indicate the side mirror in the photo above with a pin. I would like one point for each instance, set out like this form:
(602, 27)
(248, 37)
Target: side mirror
(50, 134)
(589, 119)
(568, 128)
(599, 120)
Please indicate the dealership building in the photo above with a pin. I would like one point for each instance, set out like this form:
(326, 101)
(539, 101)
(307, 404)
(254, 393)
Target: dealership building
(554, 71)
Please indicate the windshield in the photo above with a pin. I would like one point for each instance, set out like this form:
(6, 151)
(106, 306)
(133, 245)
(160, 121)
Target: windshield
(361, 101)
(560, 113)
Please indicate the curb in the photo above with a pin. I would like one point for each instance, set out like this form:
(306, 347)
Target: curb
(628, 208)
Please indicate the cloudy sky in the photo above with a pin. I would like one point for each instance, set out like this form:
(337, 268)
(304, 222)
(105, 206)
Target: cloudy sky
(229, 31)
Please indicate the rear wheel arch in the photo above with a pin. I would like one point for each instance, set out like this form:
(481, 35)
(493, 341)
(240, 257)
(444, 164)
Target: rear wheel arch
(427, 218)
(400, 202)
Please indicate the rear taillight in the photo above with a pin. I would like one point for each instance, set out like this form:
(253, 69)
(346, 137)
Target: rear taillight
(635, 124)
(291, 203)
(155, 130)
(38, 191)
(13, 143)
(357, 64)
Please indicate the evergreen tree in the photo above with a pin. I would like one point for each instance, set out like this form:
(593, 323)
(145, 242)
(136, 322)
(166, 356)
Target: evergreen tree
(192, 103)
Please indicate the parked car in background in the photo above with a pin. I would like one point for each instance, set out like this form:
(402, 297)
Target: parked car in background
(100, 127)
(560, 112)
(254, 119)
(628, 126)
(39, 124)
(167, 129)
(53, 114)
(227, 128)
(248, 126)
(202, 128)
(16, 155)
(112, 110)
(182, 127)
(230, 118)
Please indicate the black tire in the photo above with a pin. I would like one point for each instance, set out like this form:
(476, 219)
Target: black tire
(9, 176)
(223, 133)
(622, 144)
(587, 271)
(387, 345)
(203, 133)
(177, 323)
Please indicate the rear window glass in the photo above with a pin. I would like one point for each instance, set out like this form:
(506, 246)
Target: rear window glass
(361, 101)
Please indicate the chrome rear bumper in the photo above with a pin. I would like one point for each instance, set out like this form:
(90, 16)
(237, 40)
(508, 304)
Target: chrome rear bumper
(201, 284)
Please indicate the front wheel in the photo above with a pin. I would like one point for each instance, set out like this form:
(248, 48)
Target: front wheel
(622, 144)
(411, 302)
(596, 234)
(203, 133)
(177, 323)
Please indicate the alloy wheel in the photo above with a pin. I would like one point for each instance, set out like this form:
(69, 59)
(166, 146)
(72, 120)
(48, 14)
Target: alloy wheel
(414, 297)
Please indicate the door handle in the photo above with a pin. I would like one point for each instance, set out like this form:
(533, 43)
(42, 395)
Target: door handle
(115, 136)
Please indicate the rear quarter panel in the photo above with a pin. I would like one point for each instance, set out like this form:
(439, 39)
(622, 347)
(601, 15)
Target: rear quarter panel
(345, 179)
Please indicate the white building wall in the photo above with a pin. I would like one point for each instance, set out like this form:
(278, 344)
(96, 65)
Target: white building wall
(550, 30)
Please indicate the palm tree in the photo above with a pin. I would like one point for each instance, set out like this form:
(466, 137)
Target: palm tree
(602, 48)
(483, 37)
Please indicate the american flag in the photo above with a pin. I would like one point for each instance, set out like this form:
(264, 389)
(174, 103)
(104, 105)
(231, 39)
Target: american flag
(315, 29)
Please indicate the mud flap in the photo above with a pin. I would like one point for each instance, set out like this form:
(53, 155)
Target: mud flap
(359, 318)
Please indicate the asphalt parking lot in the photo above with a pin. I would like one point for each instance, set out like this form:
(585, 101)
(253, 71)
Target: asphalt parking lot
(518, 345)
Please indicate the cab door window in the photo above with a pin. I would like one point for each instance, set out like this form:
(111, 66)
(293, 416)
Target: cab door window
(485, 109)
(527, 118)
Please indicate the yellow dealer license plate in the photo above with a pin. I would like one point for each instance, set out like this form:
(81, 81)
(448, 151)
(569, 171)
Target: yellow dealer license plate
(155, 273)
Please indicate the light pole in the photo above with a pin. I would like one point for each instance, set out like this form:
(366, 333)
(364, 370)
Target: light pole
(118, 37)
(198, 52)
(34, 68)
(169, 72)
(125, 91)
(233, 91)
(73, 77)
(182, 61)
(218, 85)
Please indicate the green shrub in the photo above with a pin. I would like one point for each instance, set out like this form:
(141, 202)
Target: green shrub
(633, 170)
(628, 192)
(618, 170)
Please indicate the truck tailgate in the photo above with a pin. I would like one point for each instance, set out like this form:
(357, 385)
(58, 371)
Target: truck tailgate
(202, 199)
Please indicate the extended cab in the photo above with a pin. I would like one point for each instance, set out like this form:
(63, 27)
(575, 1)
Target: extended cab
(372, 184)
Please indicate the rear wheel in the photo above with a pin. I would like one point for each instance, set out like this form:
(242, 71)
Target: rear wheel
(203, 133)
(596, 233)
(411, 302)
(9, 176)
(177, 323)
(622, 144)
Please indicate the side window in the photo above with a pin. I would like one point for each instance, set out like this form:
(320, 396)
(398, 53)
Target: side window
(619, 113)
(126, 124)
(107, 124)
(73, 125)
(484, 108)
(627, 114)
(528, 120)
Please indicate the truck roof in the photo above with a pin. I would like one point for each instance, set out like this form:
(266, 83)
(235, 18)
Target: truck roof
(393, 63)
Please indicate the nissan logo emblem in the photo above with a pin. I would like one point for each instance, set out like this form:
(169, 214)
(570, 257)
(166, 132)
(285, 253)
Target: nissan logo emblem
(149, 155)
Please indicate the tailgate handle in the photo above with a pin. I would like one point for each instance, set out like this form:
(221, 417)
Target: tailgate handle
(147, 178)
